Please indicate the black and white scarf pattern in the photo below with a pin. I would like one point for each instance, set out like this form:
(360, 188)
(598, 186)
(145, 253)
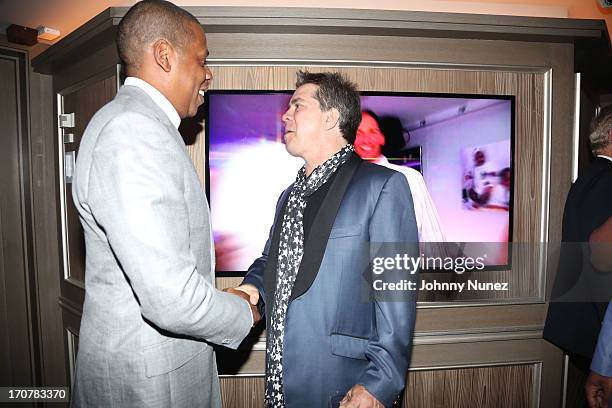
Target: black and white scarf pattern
(290, 251)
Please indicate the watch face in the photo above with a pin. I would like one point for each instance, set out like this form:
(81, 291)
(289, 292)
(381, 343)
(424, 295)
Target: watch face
(605, 3)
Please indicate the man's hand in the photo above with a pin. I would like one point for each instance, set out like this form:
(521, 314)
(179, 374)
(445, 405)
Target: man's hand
(241, 293)
(250, 290)
(598, 390)
(359, 397)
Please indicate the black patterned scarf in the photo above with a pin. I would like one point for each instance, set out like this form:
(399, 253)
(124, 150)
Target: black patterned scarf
(290, 251)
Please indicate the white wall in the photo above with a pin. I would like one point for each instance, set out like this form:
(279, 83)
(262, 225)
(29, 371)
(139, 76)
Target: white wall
(442, 144)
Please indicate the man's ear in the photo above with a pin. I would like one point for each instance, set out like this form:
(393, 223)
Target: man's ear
(332, 118)
(163, 54)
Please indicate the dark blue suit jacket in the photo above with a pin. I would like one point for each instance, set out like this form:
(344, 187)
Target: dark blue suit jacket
(574, 325)
(335, 335)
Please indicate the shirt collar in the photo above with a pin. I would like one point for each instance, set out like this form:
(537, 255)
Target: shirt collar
(604, 157)
(159, 99)
(381, 160)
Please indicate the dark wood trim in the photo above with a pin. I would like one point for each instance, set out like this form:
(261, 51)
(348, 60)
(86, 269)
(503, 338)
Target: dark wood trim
(94, 34)
(85, 40)
(20, 58)
(32, 50)
(44, 194)
(28, 213)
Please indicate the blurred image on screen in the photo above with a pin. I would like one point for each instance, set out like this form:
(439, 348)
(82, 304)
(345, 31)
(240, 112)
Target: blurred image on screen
(461, 145)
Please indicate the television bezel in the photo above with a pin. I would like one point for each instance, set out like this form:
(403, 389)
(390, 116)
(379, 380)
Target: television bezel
(511, 98)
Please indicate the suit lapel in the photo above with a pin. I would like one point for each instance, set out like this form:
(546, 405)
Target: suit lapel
(314, 247)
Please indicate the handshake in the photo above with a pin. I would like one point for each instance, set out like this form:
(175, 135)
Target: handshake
(249, 293)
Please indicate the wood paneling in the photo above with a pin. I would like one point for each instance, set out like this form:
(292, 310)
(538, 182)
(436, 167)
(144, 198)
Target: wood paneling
(257, 32)
(48, 264)
(503, 386)
(497, 386)
(71, 318)
(363, 49)
(561, 146)
(223, 282)
(17, 320)
(72, 348)
(435, 320)
(243, 392)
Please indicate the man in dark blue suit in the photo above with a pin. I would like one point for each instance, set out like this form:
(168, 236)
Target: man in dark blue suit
(576, 312)
(599, 383)
(328, 343)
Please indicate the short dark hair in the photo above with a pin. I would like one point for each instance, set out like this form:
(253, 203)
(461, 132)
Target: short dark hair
(148, 21)
(601, 127)
(335, 91)
(372, 115)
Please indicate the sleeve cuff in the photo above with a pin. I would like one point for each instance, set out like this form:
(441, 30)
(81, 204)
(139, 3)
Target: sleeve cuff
(384, 393)
(602, 367)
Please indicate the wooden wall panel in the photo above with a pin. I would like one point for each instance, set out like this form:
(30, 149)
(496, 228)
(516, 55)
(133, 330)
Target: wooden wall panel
(561, 144)
(502, 386)
(531, 165)
(496, 386)
(5, 345)
(45, 208)
(71, 318)
(17, 344)
(243, 392)
(263, 47)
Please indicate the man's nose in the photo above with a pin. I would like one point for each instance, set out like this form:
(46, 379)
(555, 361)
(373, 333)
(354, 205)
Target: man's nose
(285, 116)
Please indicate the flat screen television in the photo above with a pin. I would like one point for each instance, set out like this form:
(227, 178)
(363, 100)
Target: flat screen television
(462, 145)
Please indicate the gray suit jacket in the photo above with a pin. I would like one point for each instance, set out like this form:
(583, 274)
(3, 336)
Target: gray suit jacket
(150, 299)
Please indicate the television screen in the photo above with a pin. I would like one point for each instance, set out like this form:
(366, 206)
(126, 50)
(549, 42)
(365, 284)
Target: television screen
(461, 144)
(409, 157)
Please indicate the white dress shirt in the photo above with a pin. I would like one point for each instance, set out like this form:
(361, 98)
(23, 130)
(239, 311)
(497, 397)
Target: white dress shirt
(604, 156)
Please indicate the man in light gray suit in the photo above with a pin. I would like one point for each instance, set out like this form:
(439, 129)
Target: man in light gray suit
(150, 305)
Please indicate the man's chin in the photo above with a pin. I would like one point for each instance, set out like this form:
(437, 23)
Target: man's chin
(193, 111)
(291, 151)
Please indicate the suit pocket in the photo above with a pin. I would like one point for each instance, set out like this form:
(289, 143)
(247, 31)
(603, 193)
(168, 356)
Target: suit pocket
(345, 231)
(169, 355)
(348, 346)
